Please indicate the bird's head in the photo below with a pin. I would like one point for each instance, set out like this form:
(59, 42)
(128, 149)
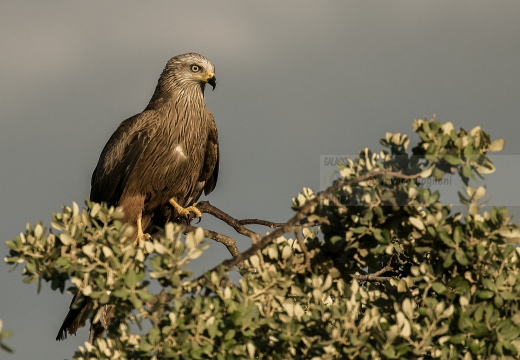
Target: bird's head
(188, 71)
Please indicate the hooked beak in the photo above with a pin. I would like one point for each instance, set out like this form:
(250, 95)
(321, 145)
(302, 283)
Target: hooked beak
(212, 81)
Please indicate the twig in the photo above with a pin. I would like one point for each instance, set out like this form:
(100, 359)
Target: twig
(271, 224)
(372, 277)
(375, 276)
(230, 243)
(206, 207)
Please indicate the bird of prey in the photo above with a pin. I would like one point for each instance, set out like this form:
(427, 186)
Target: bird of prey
(157, 163)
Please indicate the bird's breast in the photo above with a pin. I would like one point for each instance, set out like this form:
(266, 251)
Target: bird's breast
(180, 147)
(180, 151)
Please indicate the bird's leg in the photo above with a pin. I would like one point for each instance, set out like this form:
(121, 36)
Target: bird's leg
(139, 234)
(184, 212)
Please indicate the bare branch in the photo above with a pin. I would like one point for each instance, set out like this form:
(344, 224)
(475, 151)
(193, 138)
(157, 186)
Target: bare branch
(271, 224)
(230, 243)
(372, 277)
(376, 276)
(206, 207)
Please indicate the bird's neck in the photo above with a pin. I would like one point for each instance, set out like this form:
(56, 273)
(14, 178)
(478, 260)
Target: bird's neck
(176, 96)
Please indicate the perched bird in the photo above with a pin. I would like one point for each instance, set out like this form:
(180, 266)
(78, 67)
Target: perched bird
(157, 163)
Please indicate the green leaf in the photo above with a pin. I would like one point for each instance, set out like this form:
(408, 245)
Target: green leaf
(63, 261)
(448, 259)
(446, 239)
(359, 229)
(11, 245)
(453, 159)
(12, 260)
(104, 298)
(122, 293)
(480, 330)
(498, 301)
(131, 278)
(485, 294)
(437, 174)
(144, 295)
(438, 287)
(458, 339)
(236, 317)
(471, 151)
(457, 235)
(508, 295)
(464, 322)
(30, 266)
(96, 294)
(389, 352)
(229, 335)
(467, 171)
(212, 330)
(461, 257)
(378, 235)
(136, 302)
(490, 285)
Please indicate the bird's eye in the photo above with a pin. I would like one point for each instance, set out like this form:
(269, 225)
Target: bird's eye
(195, 68)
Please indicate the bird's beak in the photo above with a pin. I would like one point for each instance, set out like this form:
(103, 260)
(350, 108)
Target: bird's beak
(212, 81)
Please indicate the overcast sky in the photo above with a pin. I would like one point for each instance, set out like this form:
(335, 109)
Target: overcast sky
(296, 80)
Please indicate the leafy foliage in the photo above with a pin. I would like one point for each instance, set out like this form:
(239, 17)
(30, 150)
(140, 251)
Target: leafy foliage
(390, 273)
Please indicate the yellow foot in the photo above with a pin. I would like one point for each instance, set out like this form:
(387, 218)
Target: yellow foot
(184, 212)
(140, 236)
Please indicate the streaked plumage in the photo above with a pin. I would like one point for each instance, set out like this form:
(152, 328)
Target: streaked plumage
(166, 154)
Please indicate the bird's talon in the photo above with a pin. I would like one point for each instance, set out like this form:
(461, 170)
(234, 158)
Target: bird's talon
(185, 212)
(193, 209)
(141, 238)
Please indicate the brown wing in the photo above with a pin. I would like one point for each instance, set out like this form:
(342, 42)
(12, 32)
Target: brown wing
(208, 175)
(211, 160)
(118, 159)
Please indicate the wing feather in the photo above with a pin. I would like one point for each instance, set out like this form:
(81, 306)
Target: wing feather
(209, 173)
(211, 160)
(118, 159)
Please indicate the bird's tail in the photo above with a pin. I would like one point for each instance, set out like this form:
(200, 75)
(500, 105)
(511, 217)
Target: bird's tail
(76, 318)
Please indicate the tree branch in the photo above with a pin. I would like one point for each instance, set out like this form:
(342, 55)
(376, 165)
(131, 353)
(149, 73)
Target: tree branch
(376, 276)
(295, 223)
(230, 243)
(272, 225)
(206, 207)
(372, 277)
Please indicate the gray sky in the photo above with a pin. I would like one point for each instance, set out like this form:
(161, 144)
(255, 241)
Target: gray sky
(296, 80)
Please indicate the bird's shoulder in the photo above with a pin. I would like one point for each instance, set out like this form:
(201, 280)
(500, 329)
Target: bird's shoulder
(120, 155)
(130, 132)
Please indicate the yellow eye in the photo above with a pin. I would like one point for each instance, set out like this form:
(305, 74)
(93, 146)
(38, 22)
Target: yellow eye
(195, 68)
